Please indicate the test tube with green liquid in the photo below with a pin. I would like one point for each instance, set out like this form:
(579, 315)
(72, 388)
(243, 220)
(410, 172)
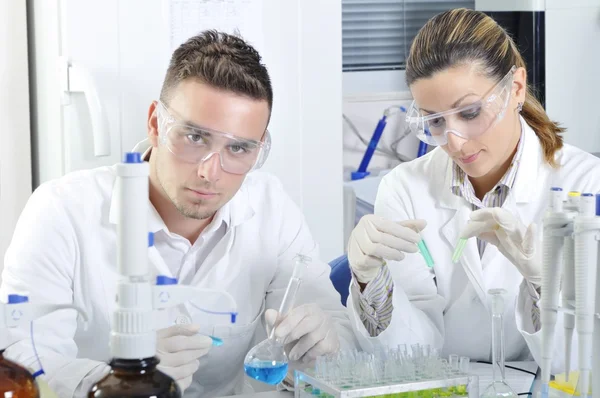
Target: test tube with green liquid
(460, 246)
(425, 253)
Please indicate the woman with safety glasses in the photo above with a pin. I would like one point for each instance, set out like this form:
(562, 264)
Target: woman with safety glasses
(497, 156)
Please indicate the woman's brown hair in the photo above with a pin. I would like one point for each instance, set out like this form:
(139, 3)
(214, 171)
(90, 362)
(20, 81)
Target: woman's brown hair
(463, 36)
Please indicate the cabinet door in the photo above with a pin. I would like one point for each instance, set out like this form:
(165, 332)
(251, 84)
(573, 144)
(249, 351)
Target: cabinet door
(89, 40)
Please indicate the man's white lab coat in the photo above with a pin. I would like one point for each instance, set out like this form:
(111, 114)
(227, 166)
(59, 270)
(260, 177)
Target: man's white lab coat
(64, 251)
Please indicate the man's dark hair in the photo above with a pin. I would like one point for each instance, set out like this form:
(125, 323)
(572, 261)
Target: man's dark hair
(222, 61)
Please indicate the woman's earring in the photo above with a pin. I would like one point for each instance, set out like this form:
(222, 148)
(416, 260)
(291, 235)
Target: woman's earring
(519, 107)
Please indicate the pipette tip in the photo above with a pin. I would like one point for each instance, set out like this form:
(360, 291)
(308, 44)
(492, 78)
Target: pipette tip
(216, 342)
(545, 390)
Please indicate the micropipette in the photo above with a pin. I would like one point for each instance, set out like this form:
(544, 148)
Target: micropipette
(568, 283)
(586, 228)
(267, 361)
(558, 224)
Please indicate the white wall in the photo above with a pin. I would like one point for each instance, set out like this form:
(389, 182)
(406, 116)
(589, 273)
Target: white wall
(15, 155)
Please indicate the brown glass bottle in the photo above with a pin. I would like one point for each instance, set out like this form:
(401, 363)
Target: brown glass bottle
(16, 380)
(135, 378)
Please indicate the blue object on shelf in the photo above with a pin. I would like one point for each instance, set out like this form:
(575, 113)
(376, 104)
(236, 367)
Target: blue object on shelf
(362, 169)
(364, 164)
(340, 276)
(422, 149)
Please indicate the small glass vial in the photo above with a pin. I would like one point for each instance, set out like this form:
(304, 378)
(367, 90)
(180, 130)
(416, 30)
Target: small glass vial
(135, 378)
(16, 381)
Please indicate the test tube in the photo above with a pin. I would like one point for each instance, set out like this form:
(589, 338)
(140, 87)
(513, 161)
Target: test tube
(465, 365)
(454, 363)
(425, 253)
(460, 246)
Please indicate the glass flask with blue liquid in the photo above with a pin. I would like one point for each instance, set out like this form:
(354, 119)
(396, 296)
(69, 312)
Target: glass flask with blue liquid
(267, 362)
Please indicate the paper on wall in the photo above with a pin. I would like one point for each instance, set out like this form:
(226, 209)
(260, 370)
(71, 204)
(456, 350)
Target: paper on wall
(186, 18)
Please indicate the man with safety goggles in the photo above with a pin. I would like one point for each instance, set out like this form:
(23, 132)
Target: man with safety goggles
(215, 225)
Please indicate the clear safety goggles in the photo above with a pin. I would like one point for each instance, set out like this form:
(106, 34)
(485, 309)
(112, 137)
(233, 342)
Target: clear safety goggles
(468, 121)
(196, 144)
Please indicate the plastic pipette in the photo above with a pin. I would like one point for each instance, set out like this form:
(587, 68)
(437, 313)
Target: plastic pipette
(460, 246)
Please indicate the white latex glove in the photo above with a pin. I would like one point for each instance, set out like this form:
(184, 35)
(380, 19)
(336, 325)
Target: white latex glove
(375, 239)
(307, 332)
(512, 238)
(178, 347)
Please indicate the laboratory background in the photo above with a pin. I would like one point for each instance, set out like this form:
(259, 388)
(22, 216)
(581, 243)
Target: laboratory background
(77, 78)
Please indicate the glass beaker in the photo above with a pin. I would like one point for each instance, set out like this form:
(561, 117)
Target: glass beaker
(267, 361)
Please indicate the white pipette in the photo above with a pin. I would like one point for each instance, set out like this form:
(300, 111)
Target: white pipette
(558, 225)
(587, 228)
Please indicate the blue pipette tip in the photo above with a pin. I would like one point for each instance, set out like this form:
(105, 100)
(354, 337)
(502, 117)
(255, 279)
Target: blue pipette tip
(233, 316)
(217, 342)
(556, 189)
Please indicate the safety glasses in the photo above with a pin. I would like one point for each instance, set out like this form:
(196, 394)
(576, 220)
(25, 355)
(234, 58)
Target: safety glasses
(196, 144)
(468, 122)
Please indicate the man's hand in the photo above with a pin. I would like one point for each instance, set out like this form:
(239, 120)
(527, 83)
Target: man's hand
(307, 332)
(179, 347)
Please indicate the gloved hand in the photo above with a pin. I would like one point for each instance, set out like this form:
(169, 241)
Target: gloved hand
(307, 332)
(375, 239)
(178, 347)
(512, 238)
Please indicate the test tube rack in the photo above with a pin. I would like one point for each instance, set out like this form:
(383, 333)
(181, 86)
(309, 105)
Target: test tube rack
(307, 385)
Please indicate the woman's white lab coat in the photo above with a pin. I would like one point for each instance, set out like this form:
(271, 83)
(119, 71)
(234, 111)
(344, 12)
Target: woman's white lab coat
(450, 307)
(64, 251)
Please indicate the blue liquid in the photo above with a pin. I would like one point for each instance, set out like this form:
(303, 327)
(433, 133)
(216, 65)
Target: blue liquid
(267, 371)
